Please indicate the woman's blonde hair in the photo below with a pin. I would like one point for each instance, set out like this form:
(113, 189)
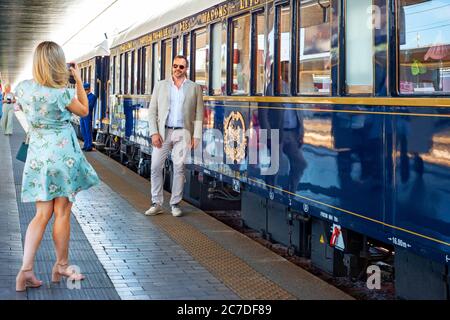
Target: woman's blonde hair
(49, 65)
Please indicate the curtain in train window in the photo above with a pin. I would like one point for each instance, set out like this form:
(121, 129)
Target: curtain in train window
(284, 50)
(359, 48)
(167, 64)
(135, 71)
(156, 64)
(129, 72)
(240, 55)
(119, 74)
(219, 58)
(147, 70)
(122, 73)
(260, 28)
(117, 79)
(424, 54)
(201, 62)
(314, 76)
(112, 72)
(180, 41)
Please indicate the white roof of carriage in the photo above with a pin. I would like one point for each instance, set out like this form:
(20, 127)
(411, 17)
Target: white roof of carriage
(183, 9)
(99, 51)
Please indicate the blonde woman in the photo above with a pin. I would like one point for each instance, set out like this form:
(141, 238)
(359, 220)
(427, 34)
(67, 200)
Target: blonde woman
(8, 111)
(56, 169)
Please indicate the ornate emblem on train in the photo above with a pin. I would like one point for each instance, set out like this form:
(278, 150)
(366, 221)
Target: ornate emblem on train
(235, 140)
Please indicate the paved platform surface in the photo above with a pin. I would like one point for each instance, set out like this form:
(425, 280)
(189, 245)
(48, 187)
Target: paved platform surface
(97, 284)
(127, 255)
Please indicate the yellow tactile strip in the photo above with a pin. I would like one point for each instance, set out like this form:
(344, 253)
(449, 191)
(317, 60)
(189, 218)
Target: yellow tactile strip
(230, 269)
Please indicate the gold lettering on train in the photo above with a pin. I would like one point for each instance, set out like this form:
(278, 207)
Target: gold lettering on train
(245, 4)
(214, 14)
(146, 40)
(126, 46)
(185, 25)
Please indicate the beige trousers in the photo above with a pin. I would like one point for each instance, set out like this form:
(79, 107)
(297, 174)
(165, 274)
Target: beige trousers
(178, 141)
(7, 118)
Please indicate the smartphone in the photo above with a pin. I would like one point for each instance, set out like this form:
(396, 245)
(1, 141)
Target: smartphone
(71, 78)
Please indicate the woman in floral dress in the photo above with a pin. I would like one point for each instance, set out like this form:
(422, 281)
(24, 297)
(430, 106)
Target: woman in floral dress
(55, 169)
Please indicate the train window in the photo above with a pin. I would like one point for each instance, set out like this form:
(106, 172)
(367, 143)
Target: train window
(122, 73)
(424, 40)
(119, 74)
(156, 64)
(259, 54)
(284, 50)
(135, 74)
(187, 47)
(180, 46)
(219, 58)
(201, 63)
(241, 55)
(359, 47)
(129, 72)
(113, 75)
(138, 71)
(147, 70)
(91, 78)
(174, 47)
(314, 74)
(167, 64)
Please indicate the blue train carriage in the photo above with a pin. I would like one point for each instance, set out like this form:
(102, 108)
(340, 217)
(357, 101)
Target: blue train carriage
(327, 120)
(94, 68)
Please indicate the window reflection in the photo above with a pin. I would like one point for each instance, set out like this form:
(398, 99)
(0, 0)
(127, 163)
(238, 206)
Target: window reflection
(201, 59)
(187, 47)
(315, 43)
(219, 47)
(129, 59)
(424, 37)
(113, 75)
(156, 64)
(147, 66)
(241, 55)
(284, 50)
(117, 86)
(259, 60)
(168, 59)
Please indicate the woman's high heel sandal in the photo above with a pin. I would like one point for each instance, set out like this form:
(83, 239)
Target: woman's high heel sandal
(64, 270)
(26, 279)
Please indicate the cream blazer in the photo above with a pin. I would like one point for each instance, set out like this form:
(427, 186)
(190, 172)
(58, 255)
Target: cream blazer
(192, 108)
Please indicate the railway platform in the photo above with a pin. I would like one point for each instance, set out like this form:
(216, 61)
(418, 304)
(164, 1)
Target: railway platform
(129, 256)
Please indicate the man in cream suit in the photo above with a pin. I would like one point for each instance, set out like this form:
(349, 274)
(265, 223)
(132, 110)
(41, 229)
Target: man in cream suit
(175, 124)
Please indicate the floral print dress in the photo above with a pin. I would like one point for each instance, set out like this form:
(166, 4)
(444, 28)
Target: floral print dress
(55, 165)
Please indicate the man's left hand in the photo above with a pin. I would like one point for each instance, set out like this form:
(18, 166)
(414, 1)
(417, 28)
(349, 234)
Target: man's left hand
(194, 143)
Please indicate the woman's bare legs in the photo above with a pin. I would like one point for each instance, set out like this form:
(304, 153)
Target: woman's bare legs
(33, 237)
(35, 232)
(61, 237)
(61, 230)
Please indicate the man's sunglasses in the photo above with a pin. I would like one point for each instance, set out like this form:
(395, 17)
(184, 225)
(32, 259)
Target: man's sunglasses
(179, 66)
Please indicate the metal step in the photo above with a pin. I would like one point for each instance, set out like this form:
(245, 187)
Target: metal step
(98, 144)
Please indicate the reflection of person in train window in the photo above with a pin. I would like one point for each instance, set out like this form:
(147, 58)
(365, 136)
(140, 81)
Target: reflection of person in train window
(289, 121)
(317, 39)
(243, 72)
